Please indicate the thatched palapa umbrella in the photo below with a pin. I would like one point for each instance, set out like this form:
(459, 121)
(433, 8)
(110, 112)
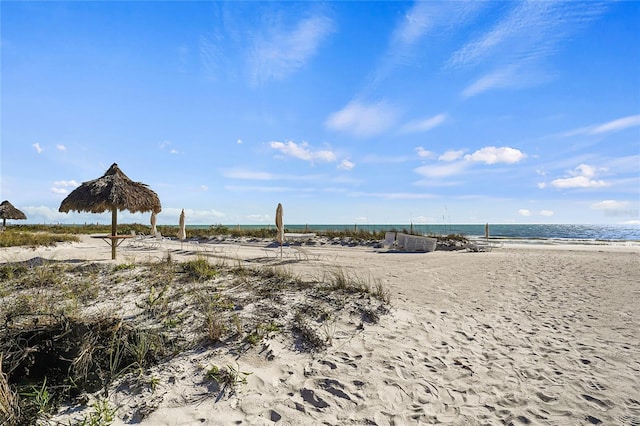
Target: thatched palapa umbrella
(112, 192)
(8, 211)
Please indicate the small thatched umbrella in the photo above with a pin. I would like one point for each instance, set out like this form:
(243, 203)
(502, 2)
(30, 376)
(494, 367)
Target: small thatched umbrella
(112, 192)
(7, 211)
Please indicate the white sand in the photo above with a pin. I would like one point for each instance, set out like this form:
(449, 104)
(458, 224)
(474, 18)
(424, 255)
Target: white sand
(525, 334)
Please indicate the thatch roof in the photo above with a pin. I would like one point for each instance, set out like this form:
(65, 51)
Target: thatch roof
(8, 211)
(113, 191)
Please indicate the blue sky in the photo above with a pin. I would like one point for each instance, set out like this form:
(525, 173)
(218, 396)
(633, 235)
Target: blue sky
(344, 112)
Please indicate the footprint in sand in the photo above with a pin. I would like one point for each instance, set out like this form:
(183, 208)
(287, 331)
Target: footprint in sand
(334, 387)
(309, 396)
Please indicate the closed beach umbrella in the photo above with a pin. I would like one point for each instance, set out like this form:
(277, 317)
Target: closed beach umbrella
(486, 231)
(279, 227)
(8, 211)
(153, 223)
(182, 232)
(112, 192)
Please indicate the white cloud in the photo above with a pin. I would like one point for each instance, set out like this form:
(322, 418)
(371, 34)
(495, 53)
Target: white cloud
(61, 147)
(493, 155)
(609, 204)
(239, 141)
(424, 124)
(346, 165)
(69, 183)
(423, 153)
(578, 182)
(173, 151)
(439, 171)
(546, 213)
(280, 53)
(542, 185)
(204, 187)
(581, 178)
(56, 190)
(363, 120)
(451, 155)
(458, 162)
(37, 147)
(302, 151)
(524, 212)
(584, 170)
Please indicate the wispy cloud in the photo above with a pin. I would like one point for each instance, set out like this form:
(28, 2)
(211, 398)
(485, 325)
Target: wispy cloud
(37, 147)
(423, 19)
(60, 186)
(516, 45)
(363, 120)
(393, 195)
(609, 204)
(441, 170)
(252, 188)
(510, 77)
(425, 124)
(385, 159)
(66, 183)
(247, 174)
(282, 51)
(302, 151)
(61, 147)
(608, 127)
(251, 174)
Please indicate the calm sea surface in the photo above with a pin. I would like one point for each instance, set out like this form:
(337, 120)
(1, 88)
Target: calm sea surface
(570, 232)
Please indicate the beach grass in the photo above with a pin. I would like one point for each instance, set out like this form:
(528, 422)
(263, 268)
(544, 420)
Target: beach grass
(360, 234)
(73, 330)
(19, 237)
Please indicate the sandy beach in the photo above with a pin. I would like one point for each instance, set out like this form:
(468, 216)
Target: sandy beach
(523, 334)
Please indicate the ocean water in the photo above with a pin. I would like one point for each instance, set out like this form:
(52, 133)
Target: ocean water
(539, 231)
